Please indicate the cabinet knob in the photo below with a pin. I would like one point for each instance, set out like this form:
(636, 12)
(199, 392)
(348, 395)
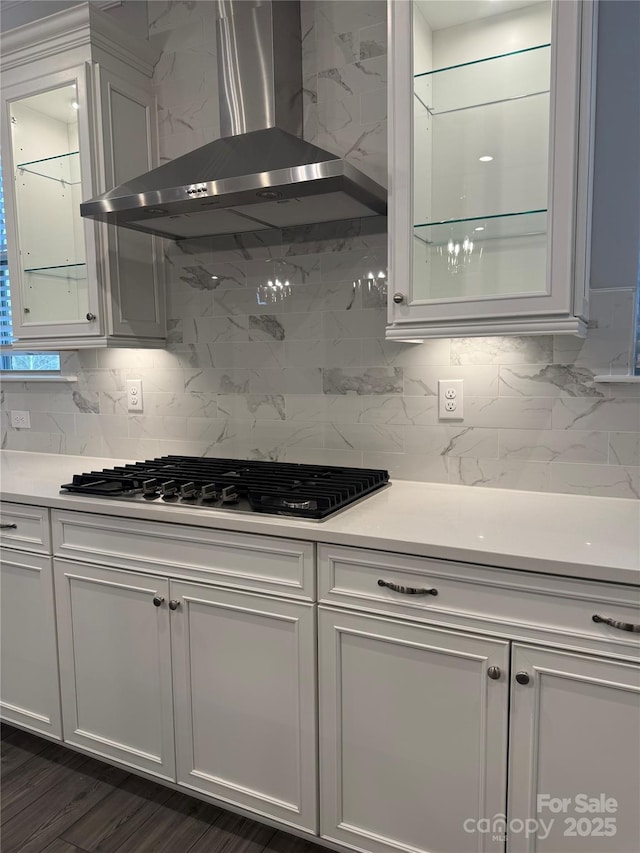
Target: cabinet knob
(398, 298)
(494, 672)
(174, 604)
(90, 316)
(522, 677)
(157, 600)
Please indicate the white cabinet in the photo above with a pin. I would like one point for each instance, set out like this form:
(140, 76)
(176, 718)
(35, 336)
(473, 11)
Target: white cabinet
(413, 734)
(490, 137)
(115, 665)
(575, 739)
(29, 687)
(29, 684)
(78, 118)
(245, 700)
(457, 705)
(158, 620)
(415, 704)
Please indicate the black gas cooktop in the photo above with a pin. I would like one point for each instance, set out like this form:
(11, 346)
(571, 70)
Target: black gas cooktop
(277, 488)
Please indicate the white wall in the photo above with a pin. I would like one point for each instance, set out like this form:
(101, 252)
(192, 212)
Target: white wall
(615, 239)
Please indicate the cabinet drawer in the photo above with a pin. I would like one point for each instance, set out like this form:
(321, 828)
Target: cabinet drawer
(480, 597)
(265, 563)
(25, 527)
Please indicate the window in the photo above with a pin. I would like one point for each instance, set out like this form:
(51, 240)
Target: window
(18, 361)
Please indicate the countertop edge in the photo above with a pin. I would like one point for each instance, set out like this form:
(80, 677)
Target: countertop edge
(316, 532)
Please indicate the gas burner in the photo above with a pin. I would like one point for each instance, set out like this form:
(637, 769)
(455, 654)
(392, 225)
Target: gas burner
(299, 504)
(276, 488)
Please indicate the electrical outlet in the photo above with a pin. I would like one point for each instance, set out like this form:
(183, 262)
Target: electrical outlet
(134, 395)
(20, 420)
(450, 400)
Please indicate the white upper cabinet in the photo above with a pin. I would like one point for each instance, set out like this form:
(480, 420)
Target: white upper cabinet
(490, 134)
(78, 118)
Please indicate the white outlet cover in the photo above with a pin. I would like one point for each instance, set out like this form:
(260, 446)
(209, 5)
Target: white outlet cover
(134, 395)
(20, 420)
(450, 400)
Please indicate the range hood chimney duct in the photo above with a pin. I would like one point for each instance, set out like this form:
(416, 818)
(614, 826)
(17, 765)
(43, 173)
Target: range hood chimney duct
(259, 66)
(261, 173)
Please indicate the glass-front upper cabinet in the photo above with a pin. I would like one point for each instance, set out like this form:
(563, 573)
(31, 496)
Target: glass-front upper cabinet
(78, 118)
(490, 151)
(48, 192)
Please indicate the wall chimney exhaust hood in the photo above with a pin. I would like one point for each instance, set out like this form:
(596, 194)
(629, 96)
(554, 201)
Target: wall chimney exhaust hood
(261, 173)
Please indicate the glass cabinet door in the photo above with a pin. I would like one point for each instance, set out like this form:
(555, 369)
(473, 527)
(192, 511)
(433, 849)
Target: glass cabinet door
(481, 110)
(490, 190)
(48, 192)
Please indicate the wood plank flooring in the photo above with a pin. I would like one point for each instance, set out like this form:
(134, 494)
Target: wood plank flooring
(54, 800)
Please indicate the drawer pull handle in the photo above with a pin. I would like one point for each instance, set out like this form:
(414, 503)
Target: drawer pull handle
(157, 600)
(621, 626)
(408, 590)
(8, 526)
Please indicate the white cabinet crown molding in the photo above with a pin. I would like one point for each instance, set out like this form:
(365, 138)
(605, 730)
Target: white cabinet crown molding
(72, 28)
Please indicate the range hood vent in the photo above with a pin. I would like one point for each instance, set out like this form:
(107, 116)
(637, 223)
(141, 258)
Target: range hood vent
(260, 174)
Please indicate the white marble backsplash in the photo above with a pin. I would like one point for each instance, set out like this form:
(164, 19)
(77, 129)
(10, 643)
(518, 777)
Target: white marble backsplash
(310, 377)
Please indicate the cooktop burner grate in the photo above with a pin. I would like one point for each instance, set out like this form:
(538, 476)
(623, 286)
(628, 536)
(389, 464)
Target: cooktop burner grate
(281, 488)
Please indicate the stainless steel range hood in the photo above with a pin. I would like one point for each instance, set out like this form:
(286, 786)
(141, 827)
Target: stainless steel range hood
(261, 173)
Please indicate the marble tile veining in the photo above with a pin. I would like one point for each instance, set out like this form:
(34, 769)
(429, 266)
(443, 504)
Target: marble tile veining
(306, 375)
(549, 380)
(374, 380)
(537, 349)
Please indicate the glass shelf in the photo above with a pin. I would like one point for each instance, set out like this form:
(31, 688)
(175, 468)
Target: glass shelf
(496, 79)
(482, 228)
(64, 168)
(507, 255)
(486, 154)
(68, 271)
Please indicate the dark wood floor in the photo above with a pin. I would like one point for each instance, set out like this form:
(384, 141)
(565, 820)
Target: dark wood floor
(58, 801)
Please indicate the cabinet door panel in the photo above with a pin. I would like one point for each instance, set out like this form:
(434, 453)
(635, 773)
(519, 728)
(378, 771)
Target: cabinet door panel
(115, 662)
(244, 677)
(54, 279)
(128, 118)
(413, 735)
(30, 692)
(575, 729)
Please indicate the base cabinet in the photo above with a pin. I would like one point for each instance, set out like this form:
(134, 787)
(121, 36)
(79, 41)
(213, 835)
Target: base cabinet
(29, 687)
(413, 734)
(460, 709)
(115, 665)
(574, 753)
(245, 699)
(237, 667)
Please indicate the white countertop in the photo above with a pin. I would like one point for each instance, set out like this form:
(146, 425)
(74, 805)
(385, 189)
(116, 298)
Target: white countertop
(575, 535)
